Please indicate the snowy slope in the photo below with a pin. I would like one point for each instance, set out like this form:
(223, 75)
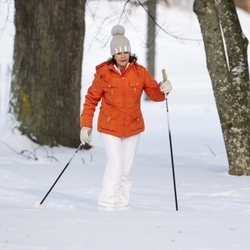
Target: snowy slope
(214, 208)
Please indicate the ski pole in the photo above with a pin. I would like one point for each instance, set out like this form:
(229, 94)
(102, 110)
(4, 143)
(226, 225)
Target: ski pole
(41, 202)
(164, 76)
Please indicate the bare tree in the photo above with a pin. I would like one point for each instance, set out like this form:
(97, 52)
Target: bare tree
(226, 52)
(46, 82)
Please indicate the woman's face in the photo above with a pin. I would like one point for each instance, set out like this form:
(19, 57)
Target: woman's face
(122, 59)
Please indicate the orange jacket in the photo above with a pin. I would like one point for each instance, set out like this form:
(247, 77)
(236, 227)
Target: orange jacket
(120, 94)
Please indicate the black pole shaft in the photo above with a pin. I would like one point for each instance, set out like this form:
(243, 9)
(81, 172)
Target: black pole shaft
(165, 77)
(172, 158)
(60, 174)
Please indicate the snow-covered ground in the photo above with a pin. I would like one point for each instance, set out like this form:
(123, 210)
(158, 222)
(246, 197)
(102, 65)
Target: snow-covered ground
(214, 207)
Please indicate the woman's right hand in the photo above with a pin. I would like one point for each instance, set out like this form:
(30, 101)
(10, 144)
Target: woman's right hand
(85, 135)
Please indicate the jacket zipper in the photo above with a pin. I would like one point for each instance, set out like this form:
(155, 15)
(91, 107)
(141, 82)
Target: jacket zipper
(124, 93)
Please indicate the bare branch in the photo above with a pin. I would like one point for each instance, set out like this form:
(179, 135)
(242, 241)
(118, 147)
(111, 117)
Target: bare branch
(165, 31)
(123, 11)
(27, 154)
(8, 3)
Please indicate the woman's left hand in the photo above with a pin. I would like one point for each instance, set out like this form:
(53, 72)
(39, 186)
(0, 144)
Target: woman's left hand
(165, 87)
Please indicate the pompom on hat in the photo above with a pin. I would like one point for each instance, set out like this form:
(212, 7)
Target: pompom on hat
(119, 43)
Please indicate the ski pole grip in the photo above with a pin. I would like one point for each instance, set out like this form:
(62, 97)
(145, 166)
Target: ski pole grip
(164, 75)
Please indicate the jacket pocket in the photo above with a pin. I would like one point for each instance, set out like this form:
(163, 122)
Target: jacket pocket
(134, 94)
(110, 92)
(107, 121)
(135, 88)
(136, 121)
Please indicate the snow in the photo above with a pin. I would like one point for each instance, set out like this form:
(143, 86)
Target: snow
(214, 207)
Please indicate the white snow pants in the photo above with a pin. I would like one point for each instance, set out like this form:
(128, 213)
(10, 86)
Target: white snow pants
(117, 176)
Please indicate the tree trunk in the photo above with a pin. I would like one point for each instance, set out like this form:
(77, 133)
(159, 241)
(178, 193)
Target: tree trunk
(151, 30)
(226, 52)
(46, 81)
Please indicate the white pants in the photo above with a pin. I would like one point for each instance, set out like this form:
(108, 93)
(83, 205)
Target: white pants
(117, 176)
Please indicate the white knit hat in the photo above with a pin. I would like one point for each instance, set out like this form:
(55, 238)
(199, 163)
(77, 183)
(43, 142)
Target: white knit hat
(119, 43)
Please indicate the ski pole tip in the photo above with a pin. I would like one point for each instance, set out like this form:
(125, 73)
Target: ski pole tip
(38, 204)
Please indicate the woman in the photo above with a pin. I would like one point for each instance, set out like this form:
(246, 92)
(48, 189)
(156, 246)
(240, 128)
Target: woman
(118, 84)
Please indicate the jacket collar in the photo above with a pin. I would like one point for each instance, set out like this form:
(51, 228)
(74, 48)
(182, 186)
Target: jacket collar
(114, 68)
(121, 72)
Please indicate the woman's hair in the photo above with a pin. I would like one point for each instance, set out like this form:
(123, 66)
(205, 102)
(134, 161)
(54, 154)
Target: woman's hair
(132, 58)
